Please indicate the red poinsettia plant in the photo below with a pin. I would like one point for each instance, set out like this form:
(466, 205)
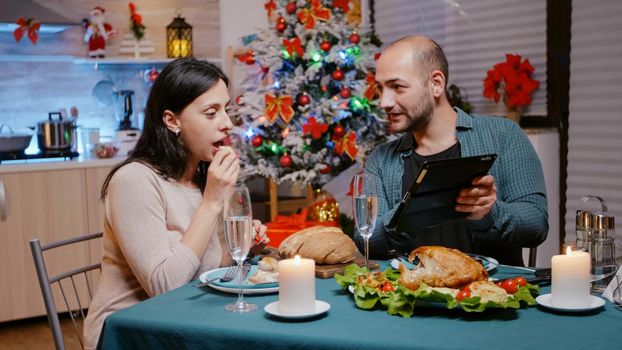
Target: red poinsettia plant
(514, 78)
(136, 22)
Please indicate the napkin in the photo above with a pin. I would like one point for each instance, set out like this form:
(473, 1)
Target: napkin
(617, 279)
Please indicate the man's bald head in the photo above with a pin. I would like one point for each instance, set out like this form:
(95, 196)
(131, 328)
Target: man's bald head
(427, 55)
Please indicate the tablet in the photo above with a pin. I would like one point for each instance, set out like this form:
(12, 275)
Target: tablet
(431, 199)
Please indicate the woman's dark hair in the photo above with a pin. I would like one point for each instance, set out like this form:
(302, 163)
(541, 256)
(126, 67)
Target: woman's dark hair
(179, 83)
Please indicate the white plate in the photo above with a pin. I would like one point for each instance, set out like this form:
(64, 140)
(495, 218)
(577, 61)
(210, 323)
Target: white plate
(545, 300)
(489, 263)
(320, 308)
(232, 287)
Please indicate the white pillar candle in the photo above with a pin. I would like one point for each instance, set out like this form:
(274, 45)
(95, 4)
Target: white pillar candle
(570, 279)
(296, 286)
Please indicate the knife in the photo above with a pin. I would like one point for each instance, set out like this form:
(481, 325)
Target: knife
(246, 268)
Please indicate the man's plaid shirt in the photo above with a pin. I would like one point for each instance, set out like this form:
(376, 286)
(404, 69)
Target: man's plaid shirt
(519, 218)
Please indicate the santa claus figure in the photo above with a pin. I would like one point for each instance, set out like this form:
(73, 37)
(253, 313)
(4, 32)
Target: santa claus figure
(97, 32)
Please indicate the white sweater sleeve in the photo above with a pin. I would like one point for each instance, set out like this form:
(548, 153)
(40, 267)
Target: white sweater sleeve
(136, 210)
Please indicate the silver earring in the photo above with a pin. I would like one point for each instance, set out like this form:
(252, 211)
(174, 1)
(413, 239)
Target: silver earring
(177, 132)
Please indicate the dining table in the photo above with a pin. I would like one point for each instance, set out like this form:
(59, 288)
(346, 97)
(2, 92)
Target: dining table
(195, 318)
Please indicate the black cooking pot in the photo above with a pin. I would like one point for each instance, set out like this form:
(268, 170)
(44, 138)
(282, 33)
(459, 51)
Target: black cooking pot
(56, 134)
(13, 141)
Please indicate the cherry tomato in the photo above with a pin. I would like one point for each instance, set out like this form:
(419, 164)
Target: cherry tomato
(520, 281)
(467, 288)
(388, 287)
(499, 284)
(510, 286)
(463, 293)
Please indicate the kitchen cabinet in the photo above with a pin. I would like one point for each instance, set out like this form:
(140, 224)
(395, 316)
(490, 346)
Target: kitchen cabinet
(50, 205)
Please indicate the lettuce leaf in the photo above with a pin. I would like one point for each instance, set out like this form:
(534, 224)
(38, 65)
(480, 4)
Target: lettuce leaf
(402, 300)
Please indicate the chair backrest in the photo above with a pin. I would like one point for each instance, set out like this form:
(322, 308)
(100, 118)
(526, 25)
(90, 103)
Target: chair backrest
(533, 252)
(72, 278)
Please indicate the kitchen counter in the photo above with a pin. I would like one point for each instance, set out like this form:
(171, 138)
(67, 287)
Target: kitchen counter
(45, 164)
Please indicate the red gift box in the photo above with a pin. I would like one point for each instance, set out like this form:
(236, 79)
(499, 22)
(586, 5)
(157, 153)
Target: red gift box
(283, 226)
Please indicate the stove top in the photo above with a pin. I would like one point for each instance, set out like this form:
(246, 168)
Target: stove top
(66, 154)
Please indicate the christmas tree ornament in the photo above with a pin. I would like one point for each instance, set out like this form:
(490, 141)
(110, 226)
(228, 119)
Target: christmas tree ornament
(276, 106)
(270, 6)
(293, 46)
(338, 75)
(344, 5)
(257, 141)
(303, 99)
(345, 92)
(250, 60)
(325, 169)
(291, 7)
(242, 58)
(317, 12)
(265, 69)
(339, 131)
(325, 46)
(355, 38)
(239, 100)
(281, 25)
(372, 90)
(324, 207)
(347, 145)
(315, 129)
(286, 161)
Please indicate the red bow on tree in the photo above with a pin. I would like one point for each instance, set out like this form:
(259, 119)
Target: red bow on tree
(270, 6)
(372, 90)
(342, 4)
(308, 16)
(293, 46)
(314, 128)
(348, 145)
(281, 105)
(29, 25)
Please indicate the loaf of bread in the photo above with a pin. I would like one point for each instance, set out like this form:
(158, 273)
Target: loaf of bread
(325, 245)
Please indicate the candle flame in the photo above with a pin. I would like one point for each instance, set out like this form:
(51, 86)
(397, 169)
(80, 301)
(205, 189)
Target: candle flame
(568, 251)
(297, 260)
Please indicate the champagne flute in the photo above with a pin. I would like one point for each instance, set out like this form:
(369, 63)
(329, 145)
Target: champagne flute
(239, 236)
(365, 206)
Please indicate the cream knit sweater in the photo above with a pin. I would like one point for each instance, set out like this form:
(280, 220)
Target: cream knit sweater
(143, 256)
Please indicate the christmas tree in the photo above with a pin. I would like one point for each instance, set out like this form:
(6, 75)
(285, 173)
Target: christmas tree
(309, 107)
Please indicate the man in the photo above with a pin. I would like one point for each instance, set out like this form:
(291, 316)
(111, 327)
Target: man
(506, 209)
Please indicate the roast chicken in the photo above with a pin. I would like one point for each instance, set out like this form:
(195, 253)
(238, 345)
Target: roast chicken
(441, 267)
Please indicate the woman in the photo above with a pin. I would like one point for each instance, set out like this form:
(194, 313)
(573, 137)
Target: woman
(164, 203)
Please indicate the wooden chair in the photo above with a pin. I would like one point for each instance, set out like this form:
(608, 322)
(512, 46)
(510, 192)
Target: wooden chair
(75, 279)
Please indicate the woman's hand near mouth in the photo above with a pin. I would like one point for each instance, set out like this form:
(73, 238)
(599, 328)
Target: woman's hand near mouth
(222, 172)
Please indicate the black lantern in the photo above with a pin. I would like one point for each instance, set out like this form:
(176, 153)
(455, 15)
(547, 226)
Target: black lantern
(179, 38)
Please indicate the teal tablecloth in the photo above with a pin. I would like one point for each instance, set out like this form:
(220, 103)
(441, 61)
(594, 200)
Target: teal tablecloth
(193, 318)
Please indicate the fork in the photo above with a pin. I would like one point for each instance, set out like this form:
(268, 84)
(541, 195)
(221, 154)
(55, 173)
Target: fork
(229, 275)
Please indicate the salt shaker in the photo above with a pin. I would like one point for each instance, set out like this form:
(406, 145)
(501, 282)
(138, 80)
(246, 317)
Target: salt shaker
(583, 223)
(602, 251)
(583, 227)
